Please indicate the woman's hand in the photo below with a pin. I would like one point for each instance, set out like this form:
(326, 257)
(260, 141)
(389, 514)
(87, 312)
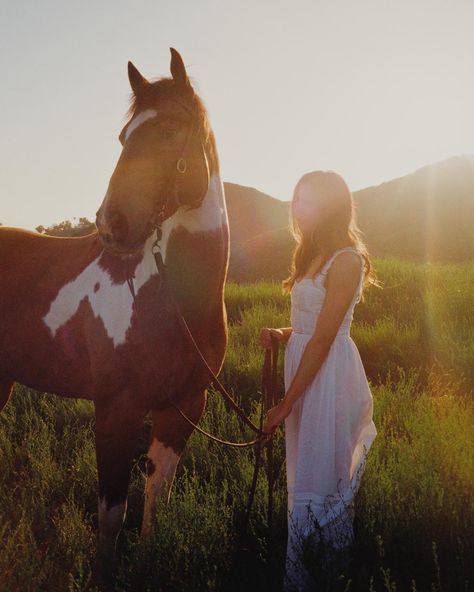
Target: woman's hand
(275, 416)
(265, 339)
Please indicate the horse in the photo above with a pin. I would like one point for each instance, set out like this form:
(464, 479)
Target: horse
(87, 317)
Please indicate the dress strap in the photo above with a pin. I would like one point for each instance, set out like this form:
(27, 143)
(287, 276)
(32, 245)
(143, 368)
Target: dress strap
(328, 263)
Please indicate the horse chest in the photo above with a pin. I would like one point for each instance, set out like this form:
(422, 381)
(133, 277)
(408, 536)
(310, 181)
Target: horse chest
(107, 301)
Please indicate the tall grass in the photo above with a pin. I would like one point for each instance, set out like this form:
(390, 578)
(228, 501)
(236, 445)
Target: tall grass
(414, 509)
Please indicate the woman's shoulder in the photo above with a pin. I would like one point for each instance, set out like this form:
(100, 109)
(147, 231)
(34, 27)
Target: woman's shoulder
(345, 259)
(347, 270)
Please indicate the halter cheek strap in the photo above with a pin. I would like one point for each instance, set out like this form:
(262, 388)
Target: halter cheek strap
(181, 168)
(158, 217)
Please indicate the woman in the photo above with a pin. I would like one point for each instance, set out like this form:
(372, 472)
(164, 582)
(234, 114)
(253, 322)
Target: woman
(327, 407)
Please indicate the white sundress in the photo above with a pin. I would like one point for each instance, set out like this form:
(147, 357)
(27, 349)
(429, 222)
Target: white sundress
(328, 432)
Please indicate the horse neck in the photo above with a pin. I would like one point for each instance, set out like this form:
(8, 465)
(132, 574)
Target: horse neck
(195, 246)
(209, 222)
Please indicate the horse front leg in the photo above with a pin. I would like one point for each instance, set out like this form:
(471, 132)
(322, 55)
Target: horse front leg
(170, 432)
(117, 430)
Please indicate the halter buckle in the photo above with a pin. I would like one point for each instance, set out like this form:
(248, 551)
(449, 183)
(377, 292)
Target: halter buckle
(181, 165)
(156, 247)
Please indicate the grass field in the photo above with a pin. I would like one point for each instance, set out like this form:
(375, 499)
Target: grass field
(414, 510)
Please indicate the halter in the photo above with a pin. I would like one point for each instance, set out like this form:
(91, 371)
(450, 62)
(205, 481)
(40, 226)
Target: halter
(181, 167)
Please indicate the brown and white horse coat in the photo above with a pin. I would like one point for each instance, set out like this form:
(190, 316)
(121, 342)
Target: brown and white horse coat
(71, 326)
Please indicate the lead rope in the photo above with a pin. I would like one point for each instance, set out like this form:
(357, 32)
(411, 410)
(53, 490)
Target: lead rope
(269, 384)
(164, 277)
(269, 397)
(132, 289)
(131, 286)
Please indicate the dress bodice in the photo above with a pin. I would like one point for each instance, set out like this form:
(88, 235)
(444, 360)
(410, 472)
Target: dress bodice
(307, 297)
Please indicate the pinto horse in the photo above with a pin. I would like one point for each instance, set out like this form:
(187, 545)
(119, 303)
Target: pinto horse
(87, 317)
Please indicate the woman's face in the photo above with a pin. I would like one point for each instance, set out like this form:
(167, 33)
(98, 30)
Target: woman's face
(307, 208)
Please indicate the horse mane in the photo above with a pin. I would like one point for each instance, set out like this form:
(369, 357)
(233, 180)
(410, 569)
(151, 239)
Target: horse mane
(166, 87)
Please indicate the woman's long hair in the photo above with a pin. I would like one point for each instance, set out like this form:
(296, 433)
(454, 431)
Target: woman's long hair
(339, 226)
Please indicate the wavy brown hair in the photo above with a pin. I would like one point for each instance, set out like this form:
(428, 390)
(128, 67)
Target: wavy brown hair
(339, 227)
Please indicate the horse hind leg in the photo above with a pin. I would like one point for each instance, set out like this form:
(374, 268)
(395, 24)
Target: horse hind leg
(170, 433)
(6, 384)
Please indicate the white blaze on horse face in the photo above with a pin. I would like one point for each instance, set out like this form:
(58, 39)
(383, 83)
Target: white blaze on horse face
(132, 126)
(165, 460)
(139, 119)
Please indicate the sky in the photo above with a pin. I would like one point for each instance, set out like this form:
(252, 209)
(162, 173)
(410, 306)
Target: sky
(371, 89)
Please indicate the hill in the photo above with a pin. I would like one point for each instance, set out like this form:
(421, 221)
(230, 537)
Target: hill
(427, 215)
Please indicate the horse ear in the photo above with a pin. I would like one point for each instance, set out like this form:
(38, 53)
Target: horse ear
(192, 185)
(137, 81)
(178, 69)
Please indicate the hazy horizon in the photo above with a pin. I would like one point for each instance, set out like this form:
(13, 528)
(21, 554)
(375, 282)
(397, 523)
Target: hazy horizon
(371, 90)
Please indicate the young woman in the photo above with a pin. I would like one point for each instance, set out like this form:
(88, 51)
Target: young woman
(327, 407)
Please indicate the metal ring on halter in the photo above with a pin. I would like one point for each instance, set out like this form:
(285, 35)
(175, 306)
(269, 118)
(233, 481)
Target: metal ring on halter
(181, 165)
(156, 247)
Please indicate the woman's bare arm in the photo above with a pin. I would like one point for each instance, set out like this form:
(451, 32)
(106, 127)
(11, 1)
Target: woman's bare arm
(343, 281)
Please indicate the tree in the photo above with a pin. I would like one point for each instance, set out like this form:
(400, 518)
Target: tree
(67, 228)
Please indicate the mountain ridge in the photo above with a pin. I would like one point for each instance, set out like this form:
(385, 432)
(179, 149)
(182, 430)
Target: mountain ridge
(426, 215)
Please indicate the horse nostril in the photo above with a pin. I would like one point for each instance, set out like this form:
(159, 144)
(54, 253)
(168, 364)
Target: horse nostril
(106, 237)
(119, 226)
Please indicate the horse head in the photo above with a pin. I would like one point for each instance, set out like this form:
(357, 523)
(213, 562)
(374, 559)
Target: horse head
(164, 163)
